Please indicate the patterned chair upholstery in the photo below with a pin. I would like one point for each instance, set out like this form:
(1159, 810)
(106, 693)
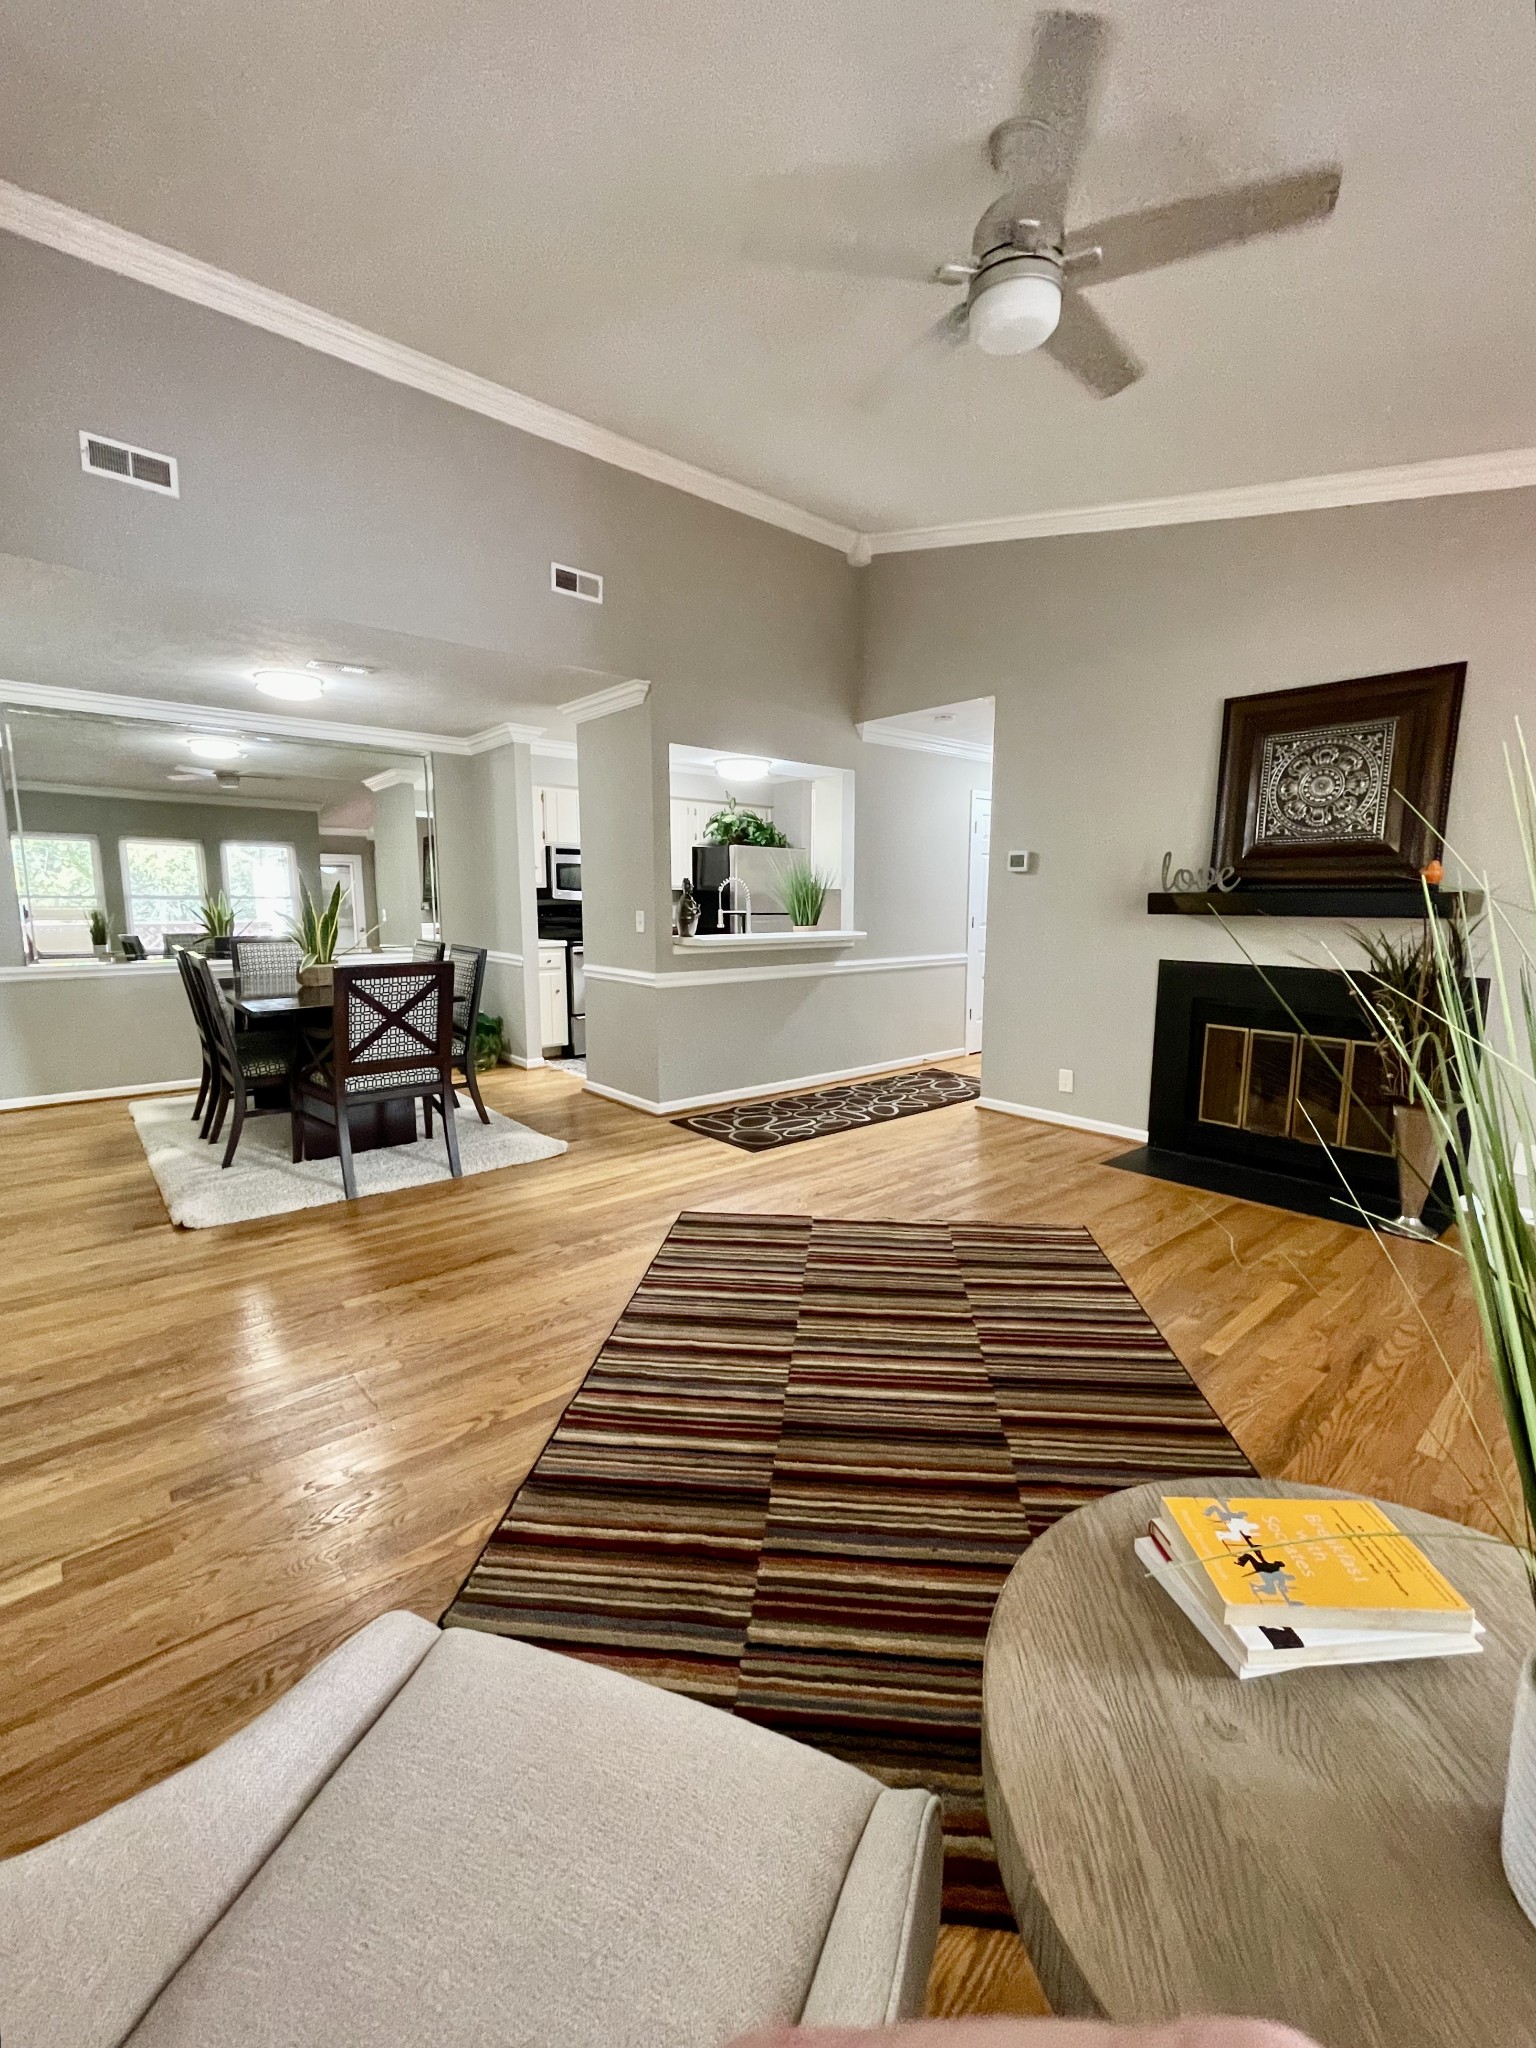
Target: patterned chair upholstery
(391, 1039)
(267, 967)
(243, 1060)
(427, 949)
(468, 963)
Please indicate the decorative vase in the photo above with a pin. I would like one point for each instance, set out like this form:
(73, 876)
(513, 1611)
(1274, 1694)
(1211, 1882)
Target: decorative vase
(223, 947)
(1418, 1161)
(1518, 1838)
(102, 952)
(687, 913)
(317, 975)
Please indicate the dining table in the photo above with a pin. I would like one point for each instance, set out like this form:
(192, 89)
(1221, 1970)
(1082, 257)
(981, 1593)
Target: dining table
(308, 1012)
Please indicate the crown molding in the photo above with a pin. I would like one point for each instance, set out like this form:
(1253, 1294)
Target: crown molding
(175, 711)
(1502, 469)
(391, 778)
(501, 736)
(921, 743)
(56, 226)
(222, 798)
(603, 703)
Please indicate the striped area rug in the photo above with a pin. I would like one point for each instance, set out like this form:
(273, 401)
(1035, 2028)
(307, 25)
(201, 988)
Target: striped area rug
(802, 1466)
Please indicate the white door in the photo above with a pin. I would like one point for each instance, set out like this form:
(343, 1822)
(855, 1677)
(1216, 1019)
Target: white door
(976, 918)
(346, 868)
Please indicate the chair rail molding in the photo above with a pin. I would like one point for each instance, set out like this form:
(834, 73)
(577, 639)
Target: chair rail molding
(602, 703)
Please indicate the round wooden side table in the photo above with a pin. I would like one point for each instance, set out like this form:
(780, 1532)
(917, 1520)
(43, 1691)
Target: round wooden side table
(1320, 1847)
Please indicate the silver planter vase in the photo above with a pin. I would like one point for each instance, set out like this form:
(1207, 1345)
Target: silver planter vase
(1518, 1838)
(1417, 1147)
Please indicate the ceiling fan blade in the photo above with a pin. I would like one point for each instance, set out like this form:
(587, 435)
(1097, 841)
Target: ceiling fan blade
(1088, 346)
(894, 219)
(1038, 151)
(932, 347)
(1136, 242)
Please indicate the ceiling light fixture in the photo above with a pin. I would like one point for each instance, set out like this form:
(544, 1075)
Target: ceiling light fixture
(209, 748)
(1015, 305)
(743, 768)
(342, 668)
(291, 684)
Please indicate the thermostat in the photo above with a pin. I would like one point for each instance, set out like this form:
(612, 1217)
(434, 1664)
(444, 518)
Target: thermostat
(1023, 863)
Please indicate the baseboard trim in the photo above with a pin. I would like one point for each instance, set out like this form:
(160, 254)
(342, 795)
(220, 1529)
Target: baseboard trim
(102, 1094)
(684, 1103)
(516, 1059)
(1060, 1116)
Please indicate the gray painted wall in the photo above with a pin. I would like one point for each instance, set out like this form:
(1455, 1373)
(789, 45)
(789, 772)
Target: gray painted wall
(1110, 656)
(111, 819)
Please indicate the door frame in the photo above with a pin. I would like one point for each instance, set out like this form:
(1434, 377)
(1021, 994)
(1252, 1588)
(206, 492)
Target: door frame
(976, 950)
(357, 889)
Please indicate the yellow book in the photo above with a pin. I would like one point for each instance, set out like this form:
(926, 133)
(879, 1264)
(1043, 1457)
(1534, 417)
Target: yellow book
(1339, 1563)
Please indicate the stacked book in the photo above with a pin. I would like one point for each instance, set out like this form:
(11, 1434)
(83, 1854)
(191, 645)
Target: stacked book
(1277, 1585)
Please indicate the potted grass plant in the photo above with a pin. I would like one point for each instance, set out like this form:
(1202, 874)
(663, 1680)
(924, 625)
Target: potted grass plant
(804, 890)
(317, 931)
(217, 919)
(1473, 1078)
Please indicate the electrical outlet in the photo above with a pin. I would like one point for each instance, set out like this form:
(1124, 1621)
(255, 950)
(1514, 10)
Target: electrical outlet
(1064, 1080)
(639, 920)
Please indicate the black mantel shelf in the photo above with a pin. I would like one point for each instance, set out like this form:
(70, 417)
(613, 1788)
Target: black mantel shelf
(1390, 899)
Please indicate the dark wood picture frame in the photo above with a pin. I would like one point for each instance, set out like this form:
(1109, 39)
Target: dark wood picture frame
(1399, 736)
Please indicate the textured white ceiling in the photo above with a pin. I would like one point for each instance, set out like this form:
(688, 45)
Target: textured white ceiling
(561, 197)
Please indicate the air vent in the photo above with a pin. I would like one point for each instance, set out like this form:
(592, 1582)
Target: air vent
(576, 583)
(139, 466)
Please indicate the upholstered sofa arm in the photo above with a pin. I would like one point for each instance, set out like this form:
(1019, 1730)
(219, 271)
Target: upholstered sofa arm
(874, 1963)
(94, 1924)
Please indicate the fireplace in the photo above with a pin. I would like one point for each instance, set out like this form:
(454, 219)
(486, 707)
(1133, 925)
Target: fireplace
(1266, 1084)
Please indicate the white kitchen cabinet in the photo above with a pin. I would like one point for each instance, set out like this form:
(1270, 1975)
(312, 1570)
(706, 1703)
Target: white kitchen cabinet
(556, 819)
(554, 999)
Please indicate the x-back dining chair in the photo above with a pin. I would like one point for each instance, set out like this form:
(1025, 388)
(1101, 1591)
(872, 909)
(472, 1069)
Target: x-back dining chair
(391, 1039)
(267, 967)
(468, 964)
(427, 949)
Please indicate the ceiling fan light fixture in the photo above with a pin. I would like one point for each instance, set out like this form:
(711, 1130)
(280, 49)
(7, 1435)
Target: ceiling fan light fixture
(1015, 307)
(291, 685)
(211, 747)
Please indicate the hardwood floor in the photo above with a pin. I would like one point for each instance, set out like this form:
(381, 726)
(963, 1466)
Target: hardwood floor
(224, 1450)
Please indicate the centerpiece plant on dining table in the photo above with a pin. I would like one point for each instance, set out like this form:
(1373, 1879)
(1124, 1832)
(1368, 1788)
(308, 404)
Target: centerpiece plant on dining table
(216, 916)
(317, 932)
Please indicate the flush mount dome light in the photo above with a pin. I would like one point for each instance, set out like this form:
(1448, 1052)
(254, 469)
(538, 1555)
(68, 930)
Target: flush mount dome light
(291, 684)
(1015, 305)
(208, 747)
(742, 768)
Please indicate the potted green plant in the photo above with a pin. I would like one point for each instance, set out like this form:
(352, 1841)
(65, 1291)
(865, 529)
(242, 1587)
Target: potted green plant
(316, 931)
(218, 922)
(490, 1042)
(1474, 1080)
(732, 826)
(101, 933)
(804, 890)
(1398, 994)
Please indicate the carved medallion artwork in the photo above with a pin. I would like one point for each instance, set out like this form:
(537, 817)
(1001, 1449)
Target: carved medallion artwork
(1328, 784)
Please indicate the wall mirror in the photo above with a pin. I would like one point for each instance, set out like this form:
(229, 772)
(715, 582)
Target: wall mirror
(119, 829)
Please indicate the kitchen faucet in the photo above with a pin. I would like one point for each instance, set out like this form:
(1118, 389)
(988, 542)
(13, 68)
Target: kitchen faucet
(728, 915)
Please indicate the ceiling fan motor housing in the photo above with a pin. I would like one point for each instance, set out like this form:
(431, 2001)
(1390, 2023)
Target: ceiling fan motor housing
(1014, 301)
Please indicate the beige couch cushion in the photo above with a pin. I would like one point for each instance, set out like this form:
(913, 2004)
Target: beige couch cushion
(874, 1963)
(94, 1924)
(533, 1852)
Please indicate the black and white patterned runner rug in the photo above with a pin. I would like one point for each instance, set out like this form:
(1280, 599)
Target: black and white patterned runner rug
(786, 1119)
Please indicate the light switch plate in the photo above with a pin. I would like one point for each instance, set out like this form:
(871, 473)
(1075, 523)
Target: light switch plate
(639, 920)
(1064, 1080)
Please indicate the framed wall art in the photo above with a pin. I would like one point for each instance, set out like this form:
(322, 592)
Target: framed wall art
(1339, 782)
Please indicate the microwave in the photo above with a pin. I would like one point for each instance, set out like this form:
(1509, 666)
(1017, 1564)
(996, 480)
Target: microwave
(563, 875)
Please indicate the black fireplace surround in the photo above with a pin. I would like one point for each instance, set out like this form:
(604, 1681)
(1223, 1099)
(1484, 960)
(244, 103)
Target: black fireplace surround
(1259, 1166)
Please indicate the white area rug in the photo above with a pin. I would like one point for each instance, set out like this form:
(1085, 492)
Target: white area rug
(264, 1181)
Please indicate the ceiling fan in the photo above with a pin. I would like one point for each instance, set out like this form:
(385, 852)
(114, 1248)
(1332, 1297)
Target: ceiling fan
(1025, 275)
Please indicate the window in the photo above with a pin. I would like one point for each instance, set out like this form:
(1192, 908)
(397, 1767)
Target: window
(162, 887)
(58, 884)
(262, 881)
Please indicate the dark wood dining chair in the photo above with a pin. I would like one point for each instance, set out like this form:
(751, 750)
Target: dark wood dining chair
(391, 1038)
(267, 967)
(427, 949)
(243, 1062)
(468, 964)
(204, 1039)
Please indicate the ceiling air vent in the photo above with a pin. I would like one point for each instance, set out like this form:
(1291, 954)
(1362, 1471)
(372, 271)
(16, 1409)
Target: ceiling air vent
(129, 465)
(576, 582)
